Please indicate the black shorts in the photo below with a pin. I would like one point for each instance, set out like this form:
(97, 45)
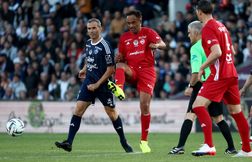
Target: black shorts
(102, 93)
(214, 109)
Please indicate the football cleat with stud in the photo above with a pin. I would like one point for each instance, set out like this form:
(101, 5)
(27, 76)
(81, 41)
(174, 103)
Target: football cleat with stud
(230, 151)
(204, 150)
(116, 90)
(243, 154)
(145, 147)
(177, 151)
(64, 145)
(126, 146)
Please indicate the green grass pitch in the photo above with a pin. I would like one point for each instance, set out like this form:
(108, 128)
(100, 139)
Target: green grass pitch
(106, 148)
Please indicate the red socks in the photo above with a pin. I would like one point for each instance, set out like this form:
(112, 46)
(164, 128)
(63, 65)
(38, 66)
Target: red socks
(206, 123)
(145, 123)
(243, 129)
(120, 77)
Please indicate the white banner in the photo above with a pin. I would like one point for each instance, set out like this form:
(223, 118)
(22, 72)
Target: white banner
(166, 116)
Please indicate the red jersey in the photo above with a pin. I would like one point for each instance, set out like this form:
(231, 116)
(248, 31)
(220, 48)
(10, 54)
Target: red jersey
(135, 47)
(213, 33)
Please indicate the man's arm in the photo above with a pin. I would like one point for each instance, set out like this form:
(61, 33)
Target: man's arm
(214, 55)
(82, 72)
(247, 84)
(193, 81)
(159, 45)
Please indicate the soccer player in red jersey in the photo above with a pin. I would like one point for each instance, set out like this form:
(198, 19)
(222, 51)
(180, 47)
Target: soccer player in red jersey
(222, 82)
(135, 63)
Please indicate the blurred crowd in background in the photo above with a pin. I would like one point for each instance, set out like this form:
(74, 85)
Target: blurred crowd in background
(41, 43)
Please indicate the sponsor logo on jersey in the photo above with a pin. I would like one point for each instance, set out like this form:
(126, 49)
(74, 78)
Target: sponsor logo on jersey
(142, 41)
(136, 53)
(108, 59)
(135, 42)
(229, 58)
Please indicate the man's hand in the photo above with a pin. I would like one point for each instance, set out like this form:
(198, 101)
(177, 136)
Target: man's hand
(92, 87)
(188, 91)
(242, 92)
(153, 46)
(118, 58)
(200, 74)
(82, 73)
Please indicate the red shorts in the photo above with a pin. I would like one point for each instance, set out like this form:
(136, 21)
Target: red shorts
(225, 89)
(144, 79)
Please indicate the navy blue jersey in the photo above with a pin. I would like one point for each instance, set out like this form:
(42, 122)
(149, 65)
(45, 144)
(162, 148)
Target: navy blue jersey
(98, 57)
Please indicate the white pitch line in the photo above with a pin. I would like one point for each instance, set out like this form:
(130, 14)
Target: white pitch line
(77, 156)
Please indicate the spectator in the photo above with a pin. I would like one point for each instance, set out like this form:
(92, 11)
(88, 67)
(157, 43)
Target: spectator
(72, 89)
(117, 25)
(247, 52)
(6, 65)
(6, 13)
(18, 88)
(73, 51)
(31, 82)
(42, 93)
(63, 82)
(54, 88)
(10, 50)
(4, 83)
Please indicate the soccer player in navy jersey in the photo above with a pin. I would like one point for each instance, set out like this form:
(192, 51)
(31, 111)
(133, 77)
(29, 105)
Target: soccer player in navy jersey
(98, 68)
(222, 84)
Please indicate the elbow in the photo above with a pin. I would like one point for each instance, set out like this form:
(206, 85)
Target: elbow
(219, 54)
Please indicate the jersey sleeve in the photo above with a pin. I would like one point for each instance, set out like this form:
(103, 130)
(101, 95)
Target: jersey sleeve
(121, 46)
(209, 37)
(109, 56)
(153, 36)
(195, 59)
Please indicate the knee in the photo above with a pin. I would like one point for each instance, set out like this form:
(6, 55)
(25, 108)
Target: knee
(78, 112)
(145, 107)
(217, 119)
(234, 109)
(190, 116)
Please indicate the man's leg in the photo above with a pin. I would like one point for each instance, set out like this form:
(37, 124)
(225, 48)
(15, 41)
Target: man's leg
(145, 100)
(215, 110)
(199, 108)
(74, 126)
(184, 133)
(250, 117)
(242, 124)
(224, 128)
(117, 123)
(122, 71)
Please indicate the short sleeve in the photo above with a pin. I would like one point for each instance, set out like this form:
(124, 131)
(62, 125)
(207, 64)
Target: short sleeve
(121, 46)
(209, 37)
(153, 36)
(195, 60)
(109, 57)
